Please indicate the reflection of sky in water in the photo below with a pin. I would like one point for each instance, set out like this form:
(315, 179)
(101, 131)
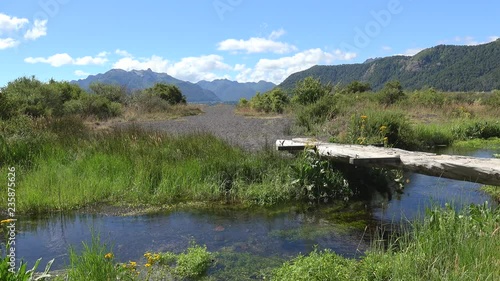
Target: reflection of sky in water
(424, 191)
(238, 231)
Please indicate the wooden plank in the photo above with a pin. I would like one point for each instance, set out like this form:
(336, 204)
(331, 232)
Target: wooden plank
(473, 169)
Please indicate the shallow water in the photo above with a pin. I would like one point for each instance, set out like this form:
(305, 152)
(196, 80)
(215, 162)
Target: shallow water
(281, 232)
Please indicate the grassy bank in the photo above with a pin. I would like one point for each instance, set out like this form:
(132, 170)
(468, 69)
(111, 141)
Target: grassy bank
(63, 170)
(446, 245)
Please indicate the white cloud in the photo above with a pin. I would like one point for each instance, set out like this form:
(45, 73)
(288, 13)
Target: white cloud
(276, 70)
(8, 23)
(38, 30)
(6, 43)
(470, 41)
(199, 68)
(156, 63)
(275, 34)
(386, 48)
(412, 51)
(258, 44)
(58, 60)
(81, 73)
(191, 69)
(103, 54)
(122, 53)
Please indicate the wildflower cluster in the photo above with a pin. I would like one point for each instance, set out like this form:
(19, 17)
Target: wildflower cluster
(152, 258)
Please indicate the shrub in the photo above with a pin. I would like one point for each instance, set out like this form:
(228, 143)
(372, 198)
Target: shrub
(309, 90)
(168, 92)
(272, 101)
(427, 98)
(493, 100)
(317, 181)
(391, 93)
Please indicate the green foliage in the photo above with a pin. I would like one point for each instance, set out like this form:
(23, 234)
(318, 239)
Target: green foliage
(318, 181)
(493, 99)
(357, 87)
(309, 90)
(113, 93)
(22, 273)
(391, 93)
(427, 97)
(444, 67)
(92, 263)
(273, 101)
(194, 262)
(389, 128)
(475, 129)
(445, 245)
(319, 266)
(168, 92)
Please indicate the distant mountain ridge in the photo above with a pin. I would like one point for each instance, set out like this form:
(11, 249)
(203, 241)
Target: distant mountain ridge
(444, 67)
(228, 90)
(203, 91)
(141, 79)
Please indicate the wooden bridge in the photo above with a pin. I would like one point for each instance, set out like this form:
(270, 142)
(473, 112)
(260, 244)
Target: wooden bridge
(472, 169)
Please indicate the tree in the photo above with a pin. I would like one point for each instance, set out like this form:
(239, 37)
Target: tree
(391, 93)
(358, 87)
(171, 93)
(309, 90)
(113, 93)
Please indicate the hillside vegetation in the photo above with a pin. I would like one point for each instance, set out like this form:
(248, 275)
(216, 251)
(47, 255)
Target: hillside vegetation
(444, 67)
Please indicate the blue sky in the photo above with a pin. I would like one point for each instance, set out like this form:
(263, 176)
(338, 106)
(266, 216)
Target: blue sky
(240, 40)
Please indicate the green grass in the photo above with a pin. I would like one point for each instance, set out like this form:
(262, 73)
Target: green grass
(136, 167)
(445, 245)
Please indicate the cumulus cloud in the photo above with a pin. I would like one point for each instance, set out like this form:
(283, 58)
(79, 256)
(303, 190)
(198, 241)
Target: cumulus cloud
(155, 63)
(468, 40)
(276, 70)
(258, 44)
(6, 43)
(38, 30)
(58, 60)
(191, 69)
(122, 53)
(9, 24)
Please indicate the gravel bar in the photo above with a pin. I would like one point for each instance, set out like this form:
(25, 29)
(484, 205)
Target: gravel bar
(250, 133)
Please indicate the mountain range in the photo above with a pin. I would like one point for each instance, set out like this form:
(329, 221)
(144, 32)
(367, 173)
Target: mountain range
(443, 67)
(203, 91)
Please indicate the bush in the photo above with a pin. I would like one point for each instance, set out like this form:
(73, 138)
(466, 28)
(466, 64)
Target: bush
(391, 93)
(318, 112)
(168, 92)
(493, 99)
(427, 98)
(272, 101)
(309, 91)
(477, 130)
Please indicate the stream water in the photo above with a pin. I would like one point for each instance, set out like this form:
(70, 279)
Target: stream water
(278, 233)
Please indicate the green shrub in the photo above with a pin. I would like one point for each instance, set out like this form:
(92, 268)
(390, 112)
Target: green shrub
(493, 100)
(323, 266)
(318, 112)
(391, 93)
(92, 263)
(22, 273)
(168, 92)
(389, 128)
(309, 90)
(476, 130)
(271, 101)
(316, 180)
(427, 98)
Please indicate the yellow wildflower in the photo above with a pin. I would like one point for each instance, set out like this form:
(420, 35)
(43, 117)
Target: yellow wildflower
(147, 265)
(108, 256)
(147, 254)
(383, 128)
(133, 263)
(364, 117)
(7, 221)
